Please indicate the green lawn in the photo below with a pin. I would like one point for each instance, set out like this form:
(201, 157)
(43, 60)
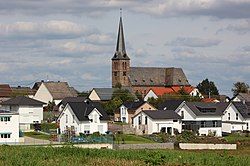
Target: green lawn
(131, 139)
(37, 135)
(26, 155)
(232, 138)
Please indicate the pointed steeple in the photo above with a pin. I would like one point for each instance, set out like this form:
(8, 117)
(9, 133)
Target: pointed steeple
(120, 52)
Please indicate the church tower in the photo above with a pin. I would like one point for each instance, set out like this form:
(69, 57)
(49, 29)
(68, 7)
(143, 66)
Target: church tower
(120, 60)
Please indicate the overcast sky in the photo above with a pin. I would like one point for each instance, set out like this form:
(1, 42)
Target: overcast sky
(74, 40)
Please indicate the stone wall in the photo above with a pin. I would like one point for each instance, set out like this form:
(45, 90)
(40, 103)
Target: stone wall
(144, 146)
(207, 146)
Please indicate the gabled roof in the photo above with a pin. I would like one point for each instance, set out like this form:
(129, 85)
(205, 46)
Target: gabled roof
(243, 108)
(82, 110)
(73, 99)
(162, 114)
(59, 90)
(202, 108)
(171, 104)
(210, 100)
(159, 91)
(5, 90)
(22, 100)
(243, 96)
(187, 89)
(104, 94)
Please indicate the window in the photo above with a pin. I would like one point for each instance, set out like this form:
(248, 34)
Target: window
(146, 120)
(247, 126)
(228, 116)
(66, 118)
(124, 73)
(182, 114)
(237, 116)
(5, 119)
(175, 120)
(203, 124)
(73, 117)
(116, 66)
(214, 123)
(86, 129)
(115, 73)
(139, 120)
(95, 118)
(5, 135)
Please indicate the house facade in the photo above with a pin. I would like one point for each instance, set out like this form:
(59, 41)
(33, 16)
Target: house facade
(82, 117)
(156, 121)
(54, 91)
(30, 111)
(126, 111)
(9, 127)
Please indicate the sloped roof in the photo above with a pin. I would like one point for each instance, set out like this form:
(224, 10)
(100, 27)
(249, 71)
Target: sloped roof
(82, 110)
(5, 90)
(19, 90)
(187, 89)
(203, 108)
(243, 96)
(162, 114)
(59, 90)
(243, 108)
(210, 100)
(152, 76)
(105, 94)
(171, 104)
(22, 100)
(159, 91)
(73, 99)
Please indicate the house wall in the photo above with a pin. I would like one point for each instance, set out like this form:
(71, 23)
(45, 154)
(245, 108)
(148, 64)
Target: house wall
(9, 127)
(27, 115)
(149, 95)
(229, 121)
(154, 126)
(68, 119)
(195, 92)
(191, 118)
(93, 96)
(43, 94)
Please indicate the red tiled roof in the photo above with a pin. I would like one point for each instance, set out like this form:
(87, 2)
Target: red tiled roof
(160, 91)
(209, 100)
(187, 89)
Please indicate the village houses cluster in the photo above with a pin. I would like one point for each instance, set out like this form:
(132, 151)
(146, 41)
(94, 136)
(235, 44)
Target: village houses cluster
(86, 115)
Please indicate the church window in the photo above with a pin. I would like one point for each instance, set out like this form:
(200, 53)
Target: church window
(124, 73)
(125, 65)
(115, 73)
(116, 65)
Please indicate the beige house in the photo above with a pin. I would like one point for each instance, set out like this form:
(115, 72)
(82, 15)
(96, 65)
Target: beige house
(54, 91)
(126, 111)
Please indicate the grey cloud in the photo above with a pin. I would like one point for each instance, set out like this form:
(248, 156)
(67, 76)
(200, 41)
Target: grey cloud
(242, 27)
(194, 42)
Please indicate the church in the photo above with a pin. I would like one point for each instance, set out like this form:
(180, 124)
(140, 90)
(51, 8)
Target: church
(141, 79)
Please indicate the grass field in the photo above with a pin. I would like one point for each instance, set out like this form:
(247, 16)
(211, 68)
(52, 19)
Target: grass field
(23, 155)
(131, 139)
(37, 135)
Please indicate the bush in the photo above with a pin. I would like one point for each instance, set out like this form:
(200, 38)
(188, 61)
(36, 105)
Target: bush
(49, 126)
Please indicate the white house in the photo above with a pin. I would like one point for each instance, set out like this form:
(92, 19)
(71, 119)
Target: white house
(54, 91)
(155, 121)
(205, 118)
(83, 117)
(241, 97)
(9, 127)
(30, 110)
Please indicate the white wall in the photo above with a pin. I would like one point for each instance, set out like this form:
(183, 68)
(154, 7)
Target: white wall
(66, 120)
(149, 95)
(188, 114)
(124, 113)
(11, 127)
(43, 94)
(156, 125)
(27, 115)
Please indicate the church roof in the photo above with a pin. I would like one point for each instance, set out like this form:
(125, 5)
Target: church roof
(151, 76)
(120, 52)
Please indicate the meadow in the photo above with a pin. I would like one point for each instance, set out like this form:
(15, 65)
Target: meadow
(28, 155)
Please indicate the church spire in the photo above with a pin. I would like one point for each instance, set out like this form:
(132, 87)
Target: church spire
(120, 52)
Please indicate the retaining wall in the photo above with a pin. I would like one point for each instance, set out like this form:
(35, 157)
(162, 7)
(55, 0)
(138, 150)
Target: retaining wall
(207, 146)
(145, 146)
